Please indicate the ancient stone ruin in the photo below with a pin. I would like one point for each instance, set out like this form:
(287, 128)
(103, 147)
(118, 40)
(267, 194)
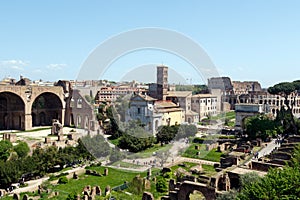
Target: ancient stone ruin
(57, 128)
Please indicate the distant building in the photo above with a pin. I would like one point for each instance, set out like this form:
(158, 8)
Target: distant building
(172, 114)
(111, 93)
(153, 113)
(162, 79)
(82, 113)
(245, 87)
(243, 111)
(141, 107)
(205, 105)
(184, 100)
(223, 83)
(8, 81)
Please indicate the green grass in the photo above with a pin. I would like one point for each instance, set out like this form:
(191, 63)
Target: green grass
(187, 167)
(115, 177)
(114, 141)
(212, 155)
(208, 170)
(228, 115)
(149, 152)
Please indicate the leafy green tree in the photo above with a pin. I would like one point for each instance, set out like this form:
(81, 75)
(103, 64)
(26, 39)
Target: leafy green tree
(166, 134)
(246, 179)
(22, 149)
(230, 195)
(260, 126)
(277, 184)
(113, 128)
(122, 105)
(161, 185)
(186, 130)
(115, 155)
(5, 148)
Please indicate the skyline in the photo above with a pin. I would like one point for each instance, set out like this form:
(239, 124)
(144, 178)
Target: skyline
(246, 41)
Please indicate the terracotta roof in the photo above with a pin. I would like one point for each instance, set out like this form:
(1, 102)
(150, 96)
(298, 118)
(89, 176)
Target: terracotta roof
(145, 97)
(165, 104)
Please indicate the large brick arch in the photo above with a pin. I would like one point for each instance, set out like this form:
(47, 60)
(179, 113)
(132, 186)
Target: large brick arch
(12, 111)
(45, 107)
(187, 187)
(28, 94)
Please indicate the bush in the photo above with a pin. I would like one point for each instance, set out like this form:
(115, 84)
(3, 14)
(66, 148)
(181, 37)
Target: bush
(198, 140)
(63, 180)
(161, 185)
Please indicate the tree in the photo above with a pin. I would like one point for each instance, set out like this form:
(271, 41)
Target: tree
(166, 133)
(246, 179)
(21, 149)
(230, 195)
(277, 184)
(287, 89)
(5, 147)
(186, 130)
(260, 126)
(161, 185)
(115, 155)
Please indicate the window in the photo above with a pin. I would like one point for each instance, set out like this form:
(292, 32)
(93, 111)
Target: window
(139, 110)
(79, 103)
(72, 103)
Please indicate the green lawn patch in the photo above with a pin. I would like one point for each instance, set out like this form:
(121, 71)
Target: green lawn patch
(115, 177)
(114, 141)
(149, 152)
(185, 165)
(212, 155)
(208, 170)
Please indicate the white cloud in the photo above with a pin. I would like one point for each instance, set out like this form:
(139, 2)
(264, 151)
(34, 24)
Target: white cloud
(56, 67)
(15, 67)
(13, 62)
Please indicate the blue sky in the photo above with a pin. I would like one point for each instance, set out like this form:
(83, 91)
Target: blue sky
(246, 40)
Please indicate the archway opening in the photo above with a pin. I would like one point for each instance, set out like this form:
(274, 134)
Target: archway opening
(196, 195)
(12, 112)
(45, 108)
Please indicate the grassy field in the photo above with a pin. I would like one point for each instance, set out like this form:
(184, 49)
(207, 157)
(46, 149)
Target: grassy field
(212, 155)
(115, 177)
(186, 166)
(209, 170)
(149, 152)
(228, 115)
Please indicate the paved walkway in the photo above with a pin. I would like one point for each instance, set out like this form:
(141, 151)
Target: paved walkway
(33, 185)
(265, 150)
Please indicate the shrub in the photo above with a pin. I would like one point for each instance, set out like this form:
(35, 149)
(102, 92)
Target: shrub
(63, 180)
(161, 185)
(198, 140)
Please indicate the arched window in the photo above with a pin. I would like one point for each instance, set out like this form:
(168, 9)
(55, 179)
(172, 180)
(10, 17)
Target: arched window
(79, 103)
